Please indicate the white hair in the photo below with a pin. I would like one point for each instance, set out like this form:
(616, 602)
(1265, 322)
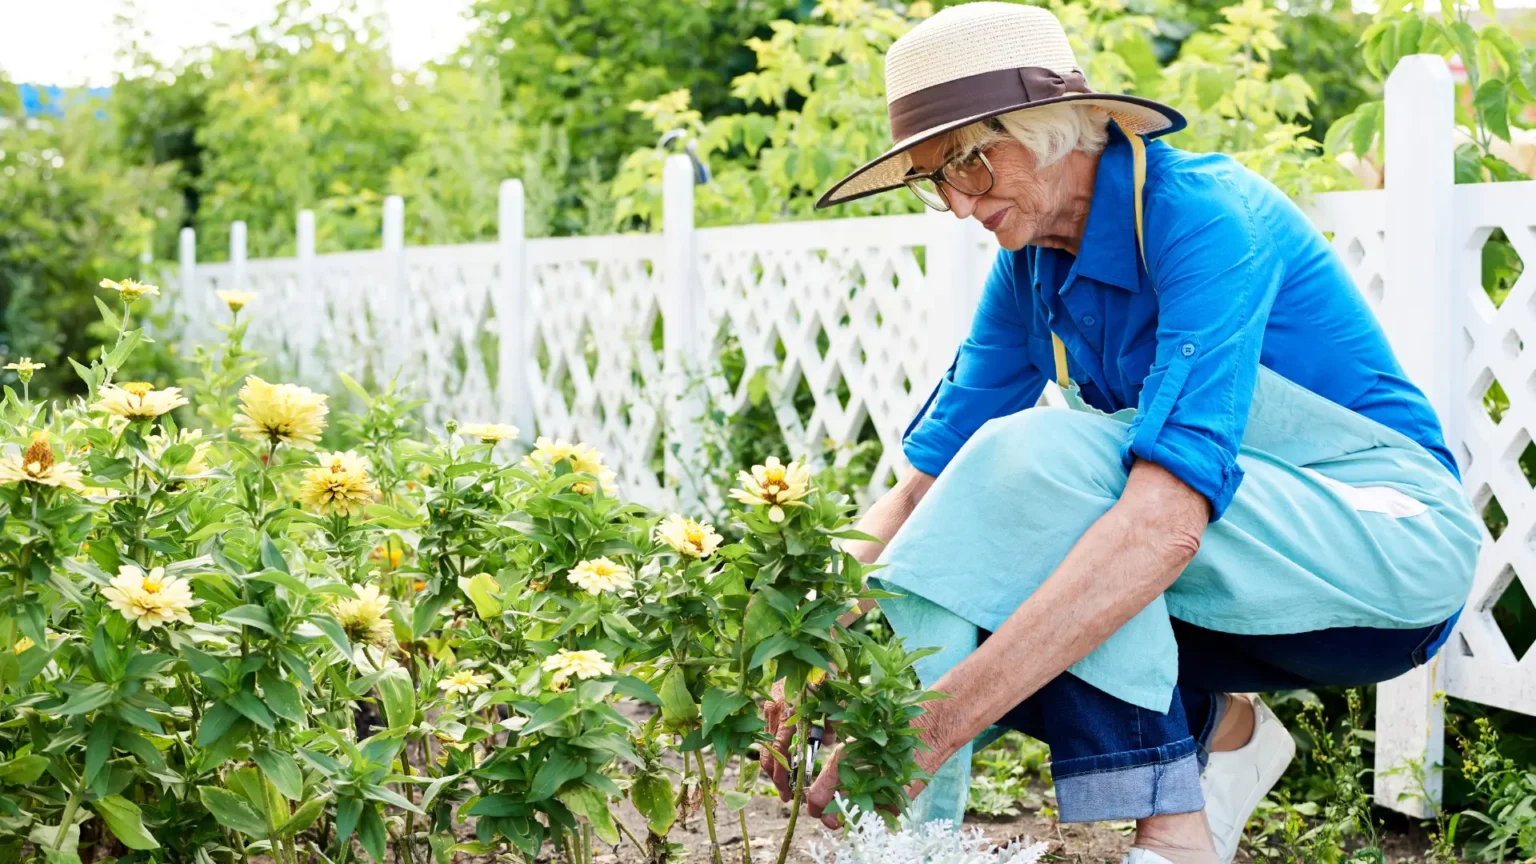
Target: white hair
(1049, 132)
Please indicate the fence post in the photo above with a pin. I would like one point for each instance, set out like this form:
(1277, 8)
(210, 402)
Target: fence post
(315, 329)
(514, 311)
(681, 308)
(237, 255)
(193, 322)
(1418, 313)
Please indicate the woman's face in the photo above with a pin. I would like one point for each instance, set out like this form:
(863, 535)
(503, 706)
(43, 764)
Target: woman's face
(1025, 206)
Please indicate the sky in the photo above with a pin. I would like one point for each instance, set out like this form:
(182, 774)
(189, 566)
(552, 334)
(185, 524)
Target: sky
(72, 42)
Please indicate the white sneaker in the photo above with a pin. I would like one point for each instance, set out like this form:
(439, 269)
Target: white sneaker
(1143, 856)
(1236, 781)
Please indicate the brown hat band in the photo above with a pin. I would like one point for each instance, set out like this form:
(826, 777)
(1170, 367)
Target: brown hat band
(974, 95)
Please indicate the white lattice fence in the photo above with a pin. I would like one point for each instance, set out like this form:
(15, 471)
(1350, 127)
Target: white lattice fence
(605, 339)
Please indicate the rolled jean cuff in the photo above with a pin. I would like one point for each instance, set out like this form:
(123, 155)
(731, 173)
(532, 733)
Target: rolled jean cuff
(1131, 785)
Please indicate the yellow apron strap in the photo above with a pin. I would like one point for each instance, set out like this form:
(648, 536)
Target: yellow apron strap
(1139, 168)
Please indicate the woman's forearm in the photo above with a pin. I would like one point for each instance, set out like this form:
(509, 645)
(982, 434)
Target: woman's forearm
(883, 519)
(1121, 564)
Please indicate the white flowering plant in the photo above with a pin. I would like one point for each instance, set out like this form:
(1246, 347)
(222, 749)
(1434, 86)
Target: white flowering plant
(239, 625)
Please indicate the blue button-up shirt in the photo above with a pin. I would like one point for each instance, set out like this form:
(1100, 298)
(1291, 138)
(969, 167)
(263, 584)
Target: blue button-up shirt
(1239, 277)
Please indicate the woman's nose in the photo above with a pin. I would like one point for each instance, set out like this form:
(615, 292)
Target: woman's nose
(961, 204)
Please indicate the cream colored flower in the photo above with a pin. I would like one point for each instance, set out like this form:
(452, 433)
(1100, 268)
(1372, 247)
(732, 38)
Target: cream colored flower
(488, 433)
(687, 537)
(197, 464)
(24, 369)
(131, 289)
(340, 486)
(600, 576)
(22, 645)
(463, 683)
(235, 300)
(581, 664)
(774, 485)
(150, 599)
(138, 400)
(366, 618)
(37, 465)
(282, 413)
(582, 459)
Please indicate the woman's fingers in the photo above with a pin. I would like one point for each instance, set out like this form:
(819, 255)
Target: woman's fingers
(820, 794)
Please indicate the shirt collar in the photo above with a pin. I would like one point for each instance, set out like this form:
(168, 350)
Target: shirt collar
(1108, 250)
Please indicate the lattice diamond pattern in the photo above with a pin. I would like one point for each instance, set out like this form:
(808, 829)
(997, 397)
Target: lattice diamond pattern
(840, 315)
(596, 312)
(1494, 434)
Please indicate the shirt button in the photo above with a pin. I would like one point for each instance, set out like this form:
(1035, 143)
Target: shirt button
(1087, 320)
(1188, 350)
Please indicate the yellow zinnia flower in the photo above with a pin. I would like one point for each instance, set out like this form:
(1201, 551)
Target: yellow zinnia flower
(582, 459)
(235, 300)
(488, 433)
(37, 465)
(131, 289)
(138, 400)
(463, 683)
(22, 645)
(340, 486)
(149, 599)
(281, 413)
(775, 486)
(581, 664)
(366, 618)
(600, 575)
(687, 537)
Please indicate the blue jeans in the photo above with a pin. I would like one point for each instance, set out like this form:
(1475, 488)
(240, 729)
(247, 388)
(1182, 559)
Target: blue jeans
(1114, 761)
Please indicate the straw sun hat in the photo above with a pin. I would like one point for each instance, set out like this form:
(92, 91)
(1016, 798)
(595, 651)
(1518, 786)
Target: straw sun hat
(979, 60)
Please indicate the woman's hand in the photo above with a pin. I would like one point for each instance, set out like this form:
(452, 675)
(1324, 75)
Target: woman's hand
(775, 711)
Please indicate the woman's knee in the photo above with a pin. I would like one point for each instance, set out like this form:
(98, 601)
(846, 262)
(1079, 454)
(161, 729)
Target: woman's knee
(1072, 448)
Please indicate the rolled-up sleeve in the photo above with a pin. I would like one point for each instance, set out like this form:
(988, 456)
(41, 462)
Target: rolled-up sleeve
(992, 376)
(1216, 275)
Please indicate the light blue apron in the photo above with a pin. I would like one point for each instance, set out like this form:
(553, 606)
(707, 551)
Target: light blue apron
(1340, 522)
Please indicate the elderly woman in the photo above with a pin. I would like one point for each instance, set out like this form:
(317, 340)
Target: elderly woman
(1245, 493)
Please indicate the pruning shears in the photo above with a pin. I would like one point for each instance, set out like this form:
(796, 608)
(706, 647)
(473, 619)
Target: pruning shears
(811, 750)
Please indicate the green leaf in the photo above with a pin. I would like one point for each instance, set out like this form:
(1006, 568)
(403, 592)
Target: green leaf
(216, 722)
(288, 581)
(108, 317)
(247, 704)
(719, 704)
(302, 818)
(282, 697)
(271, 556)
(123, 818)
(677, 705)
(559, 768)
(333, 631)
(399, 697)
(370, 832)
(87, 698)
(282, 771)
(590, 803)
(550, 713)
(653, 796)
(98, 748)
(1367, 117)
(232, 811)
(1493, 98)
(634, 688)
(250, 615)
(482, 591)
(348, 811)
(23, 770)
(736, 801)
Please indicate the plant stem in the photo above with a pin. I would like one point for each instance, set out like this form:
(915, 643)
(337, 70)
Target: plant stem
(70, 807)
(746, 842)
(624, 829)
(709, 805)
(803, 733)
(267, 816)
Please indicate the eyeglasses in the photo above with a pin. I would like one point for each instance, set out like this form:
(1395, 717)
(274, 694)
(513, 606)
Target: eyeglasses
(968, 173)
